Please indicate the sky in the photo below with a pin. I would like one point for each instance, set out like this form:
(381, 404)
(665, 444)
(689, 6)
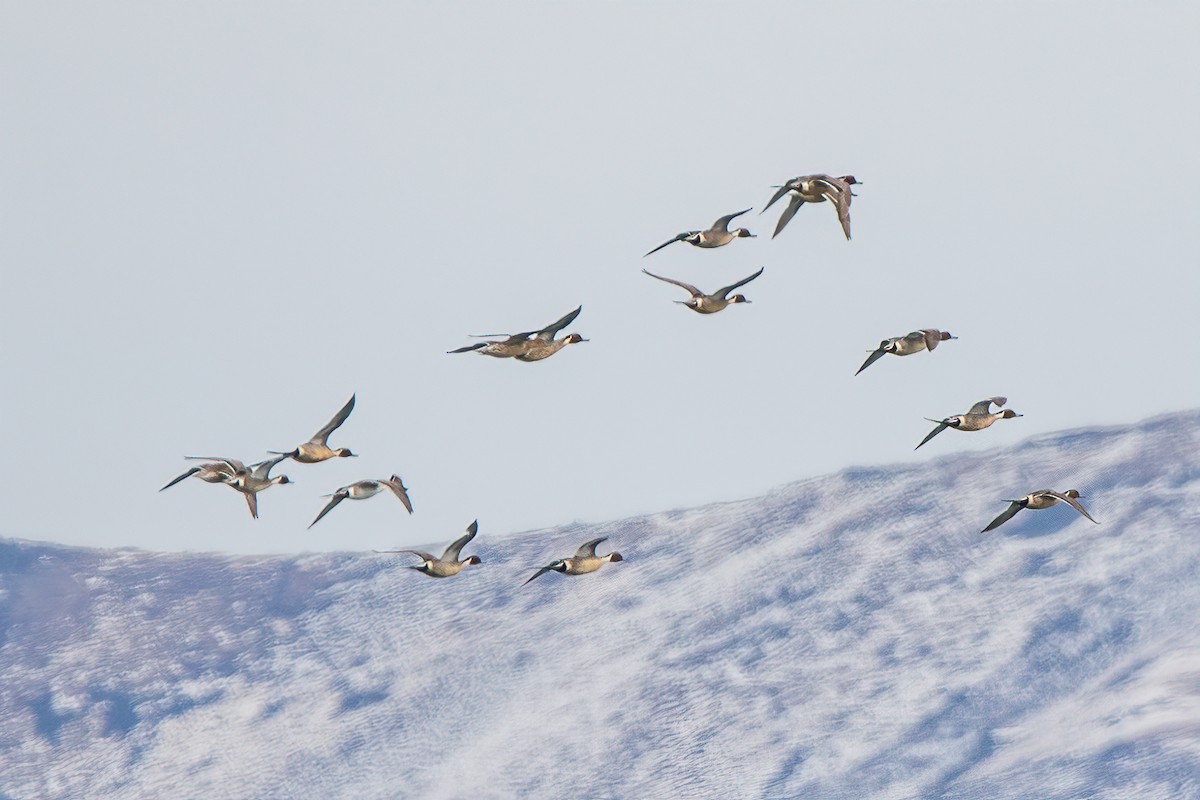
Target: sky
(221, 220)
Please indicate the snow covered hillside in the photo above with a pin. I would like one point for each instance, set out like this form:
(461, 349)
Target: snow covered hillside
(853, 636)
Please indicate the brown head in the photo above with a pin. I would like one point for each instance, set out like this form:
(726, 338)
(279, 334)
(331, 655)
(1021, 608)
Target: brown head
(1072, 493)
(575, 338)
(850, 179)
(1008, 413)
(615, 556)
(344, 452)
(285, 479)
(743, 233)
(739, 298)
(472, 560)
(946, 335)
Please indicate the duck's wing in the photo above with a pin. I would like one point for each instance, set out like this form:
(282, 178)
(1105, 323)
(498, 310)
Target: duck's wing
(941, 427)
(871, 359)
(1073, 503)
(455, 548)
(187, 474)
(540, 572)
(1004, 517)
(236, 467)
(982, 407)
(724, 290)
(933, 338)
(333, 501)
(252, 502)
(421, 554)
(400, 490)
(550, 331)
(782, 190)
(469, 347)
(588, 549)
(263, 468)
(322, 436)
(722, 223)
(789, 212)
(678, 238)
(841, 201)
(685, 286)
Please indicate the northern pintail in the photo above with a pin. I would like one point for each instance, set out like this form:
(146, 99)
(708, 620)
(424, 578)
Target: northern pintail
(217, 472)
(250, 481)
(361, 490)
(518, 345)
(585, 560)
(915, 342)
(449, 564)
(709, 303)
(716, 236)
(317, 448)
(1043, 498)
(815, 189)
(976, 419)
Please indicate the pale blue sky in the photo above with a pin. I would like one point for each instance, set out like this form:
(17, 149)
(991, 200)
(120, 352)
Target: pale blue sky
(222, 219)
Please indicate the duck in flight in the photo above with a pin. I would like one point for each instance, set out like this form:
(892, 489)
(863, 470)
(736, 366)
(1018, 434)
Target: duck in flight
(585, 560)
(716, 236)
(215, 472)
(317, 448)
(976, 419)
(449, 564)
(709, 303)
(815, 189)
(915, 342)
(361, 490)
(529, 345)
(1043, 498)
(247, 480)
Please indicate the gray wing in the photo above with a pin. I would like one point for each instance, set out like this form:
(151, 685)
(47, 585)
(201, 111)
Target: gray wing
(469, 348)
(421, 554)
(941, 427)
(933, 338)
(678, 238)
(588, 549)
(187, 474)
(685, 286)
(983, 405)
(263, 468)
(455, 548)
(540, 572)
(323, 435)
(1073, 503)
(724, 290)
(551, 330)
(722, 223)
(237, 466)
(784, 189)
(788, 213)
(1008, 514)
(871, 359)
(400, 490)
(252, 501)
(842, 203)
(337, 498)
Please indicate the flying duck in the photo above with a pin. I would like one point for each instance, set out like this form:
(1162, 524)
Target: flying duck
(915, 342)
(585, 560)
(317, 448)
(361, 490)
(815, 189)
(716, 236)
(449, 564)
(709, 303)
(976, 419)
(1043, 498)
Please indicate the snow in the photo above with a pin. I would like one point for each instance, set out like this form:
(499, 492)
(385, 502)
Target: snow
(849, 636)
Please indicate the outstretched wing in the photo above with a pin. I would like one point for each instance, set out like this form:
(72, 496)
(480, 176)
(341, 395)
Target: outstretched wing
(252, 501)
(724, 290)
(722, 223)
(871, 359)
(1008, 514)
(842, 203)
(452, 552)
(550, 331)
(187, 474)
(784, 189)
(469, 348)
(983, 405)
(263, 468)
(337, 498)
(237, 466)
(588, 549)
(685, 286)
(678, 238)
(421, 554)
(789, 212)
(322, 435)
(941, 427)
(400, 490)
(1073, 503)
(933, 337)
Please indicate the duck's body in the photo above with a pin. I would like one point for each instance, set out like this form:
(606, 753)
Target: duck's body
(718, 235)
(317, 449)
(703, 303)
(1043, 498)
(976, 419)
(249, 481)
(449, 564)
(530, 345)
(218, 472)
(915, 342)
(361, 490)
(815, 189)
(584, 561)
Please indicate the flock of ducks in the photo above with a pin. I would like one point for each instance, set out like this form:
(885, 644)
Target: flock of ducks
(543, 343)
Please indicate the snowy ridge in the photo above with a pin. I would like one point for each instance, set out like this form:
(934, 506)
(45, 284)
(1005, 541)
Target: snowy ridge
(853, 636)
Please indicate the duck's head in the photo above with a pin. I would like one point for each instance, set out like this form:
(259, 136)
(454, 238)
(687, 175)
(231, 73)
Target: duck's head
(344, 452)
(575, 338)
(850, 179)
(739, 298)
(282, 479)
(471, 560)
(615, 556)
(946, 335)
(743, 233)
(1072, 493)
(1008, 413)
